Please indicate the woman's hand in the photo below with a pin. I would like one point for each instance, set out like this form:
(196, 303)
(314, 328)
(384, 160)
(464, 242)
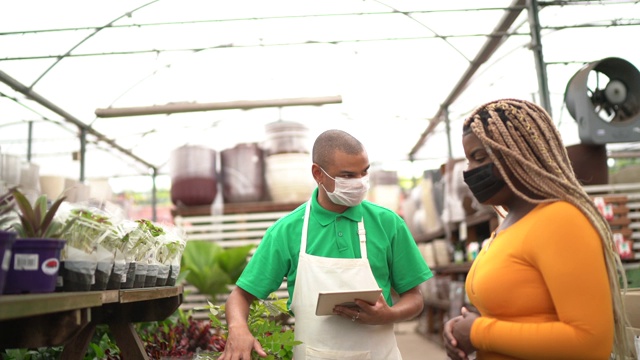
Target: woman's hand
(450, 342)
(457, 335)
(462, 331)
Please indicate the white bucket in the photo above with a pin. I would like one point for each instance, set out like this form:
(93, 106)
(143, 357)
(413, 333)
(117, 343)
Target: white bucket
(76, 191)
(288, 177)
(52, 186)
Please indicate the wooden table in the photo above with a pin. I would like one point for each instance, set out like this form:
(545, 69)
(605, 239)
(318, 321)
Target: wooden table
(70, 318)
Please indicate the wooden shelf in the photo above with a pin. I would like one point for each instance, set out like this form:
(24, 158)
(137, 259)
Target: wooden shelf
(471, 220)
(452, 269)
(70, 318)
(19, 306)
(235, 208)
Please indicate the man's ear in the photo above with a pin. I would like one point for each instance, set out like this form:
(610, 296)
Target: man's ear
(316, 172)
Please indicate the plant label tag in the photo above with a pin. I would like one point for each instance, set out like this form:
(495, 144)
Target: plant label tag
(50, 266)
(27, 262)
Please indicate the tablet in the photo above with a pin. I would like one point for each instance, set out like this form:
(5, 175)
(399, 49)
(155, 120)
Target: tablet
(327, 300)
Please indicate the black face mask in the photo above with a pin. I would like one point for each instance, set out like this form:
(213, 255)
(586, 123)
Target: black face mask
(483, 182)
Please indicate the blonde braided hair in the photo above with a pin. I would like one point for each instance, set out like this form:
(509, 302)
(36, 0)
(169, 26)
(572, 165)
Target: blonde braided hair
(532, 150)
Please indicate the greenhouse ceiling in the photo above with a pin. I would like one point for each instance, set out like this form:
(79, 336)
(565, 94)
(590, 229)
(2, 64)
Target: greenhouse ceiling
(214, 73)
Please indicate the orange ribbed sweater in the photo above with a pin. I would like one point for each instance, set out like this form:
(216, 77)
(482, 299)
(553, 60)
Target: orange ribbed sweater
(542, 289)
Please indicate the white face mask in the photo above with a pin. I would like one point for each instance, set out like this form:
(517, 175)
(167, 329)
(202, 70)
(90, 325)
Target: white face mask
(348, 192)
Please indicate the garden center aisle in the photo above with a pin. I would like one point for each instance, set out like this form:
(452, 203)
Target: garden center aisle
(414, 346)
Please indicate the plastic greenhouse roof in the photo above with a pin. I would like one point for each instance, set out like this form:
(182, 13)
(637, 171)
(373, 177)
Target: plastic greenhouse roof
(392, 63)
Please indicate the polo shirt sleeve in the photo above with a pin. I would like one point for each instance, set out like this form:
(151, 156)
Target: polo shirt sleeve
(266, 268)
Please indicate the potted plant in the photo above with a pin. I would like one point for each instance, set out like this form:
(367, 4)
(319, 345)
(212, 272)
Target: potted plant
(87, 265)
(156, 241)
(7, 236)
(35, 258)
(115, 243)
(169, 255)
(136, 242)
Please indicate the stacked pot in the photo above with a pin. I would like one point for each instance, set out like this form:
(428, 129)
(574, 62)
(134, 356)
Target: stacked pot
(288, 162)
(243, 173)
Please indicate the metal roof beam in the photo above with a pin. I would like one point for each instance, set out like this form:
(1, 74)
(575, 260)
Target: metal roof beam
(21, 88)
(173, 108)
(489, 47)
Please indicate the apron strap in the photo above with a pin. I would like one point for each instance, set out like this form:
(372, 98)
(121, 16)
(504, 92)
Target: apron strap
(305, 228)
(362, 234)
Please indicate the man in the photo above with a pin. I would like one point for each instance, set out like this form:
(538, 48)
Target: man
(335, 241)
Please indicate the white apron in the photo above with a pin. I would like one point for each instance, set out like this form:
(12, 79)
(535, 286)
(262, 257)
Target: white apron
(332, 336)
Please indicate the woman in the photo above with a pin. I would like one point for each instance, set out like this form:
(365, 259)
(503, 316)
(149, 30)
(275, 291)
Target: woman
(547, 283)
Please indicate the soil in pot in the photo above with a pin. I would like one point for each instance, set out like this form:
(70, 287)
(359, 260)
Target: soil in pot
(163, 275)
(140, 275)
(173, 275)
(78, 275)
(105, 259)
(152, 275)
(102, 274)
(118, 272)
(130, 276)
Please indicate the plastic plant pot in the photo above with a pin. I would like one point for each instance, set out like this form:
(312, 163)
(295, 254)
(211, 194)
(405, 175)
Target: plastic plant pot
(117, 273)
(34, 266)
(79, 275)
(163, 274)
(129, 276)
(7, 238)
(102, 275)
(140, 275)
(173, 275)
(152, 275)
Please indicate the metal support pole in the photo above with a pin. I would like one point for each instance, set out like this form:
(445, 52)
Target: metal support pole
(447, 124)
(536, 47)
(83, 151)
(30, 140)
(154, 197)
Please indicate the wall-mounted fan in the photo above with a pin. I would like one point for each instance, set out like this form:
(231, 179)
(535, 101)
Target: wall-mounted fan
(604, 98)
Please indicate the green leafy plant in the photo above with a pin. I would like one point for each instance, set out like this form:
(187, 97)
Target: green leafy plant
(38, 221)
(211, 268)
(42, 353)
(266, 325)
(102, 346)
(86, 228)
(156, 240)
(136, 239)
(151, 227)
(172, 248)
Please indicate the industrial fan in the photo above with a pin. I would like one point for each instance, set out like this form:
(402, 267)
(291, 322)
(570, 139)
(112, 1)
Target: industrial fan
(604, 98)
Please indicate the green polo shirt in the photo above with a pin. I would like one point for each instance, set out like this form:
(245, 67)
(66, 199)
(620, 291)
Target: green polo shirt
(394, 257)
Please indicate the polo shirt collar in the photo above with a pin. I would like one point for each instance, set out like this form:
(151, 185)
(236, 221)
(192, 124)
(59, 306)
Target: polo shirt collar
(326, 217)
